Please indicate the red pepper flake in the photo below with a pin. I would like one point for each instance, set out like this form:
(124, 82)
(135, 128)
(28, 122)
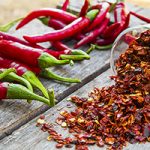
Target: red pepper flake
(112, 115)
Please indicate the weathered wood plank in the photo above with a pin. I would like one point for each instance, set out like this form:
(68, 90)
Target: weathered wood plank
(16, 113)
(31, 137)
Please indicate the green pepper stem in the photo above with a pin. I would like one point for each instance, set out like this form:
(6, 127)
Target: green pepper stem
(46, 60)
(31, 77)
(44, 20)
(16, 91)
(51, 97)
(92, 47)
(103, 47)
(7, 27)
(92, 14)
(79, 52)
(74, 57)
(49, 74)
(14, 77)
(6, 72)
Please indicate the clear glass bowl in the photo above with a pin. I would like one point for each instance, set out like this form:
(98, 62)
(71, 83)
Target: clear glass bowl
(120, 45)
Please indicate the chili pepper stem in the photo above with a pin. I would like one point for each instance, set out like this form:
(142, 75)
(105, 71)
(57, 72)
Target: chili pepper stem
(30, 76)
(49, 74)
(92, 47)
(74, 57)
(51, 97)
(6, 72)
(46, 60)
(8, 26)
(103, 47)
(16, 91)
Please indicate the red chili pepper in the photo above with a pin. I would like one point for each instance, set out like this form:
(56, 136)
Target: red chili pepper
(23, 71)
(70, 30)
(3, 90)
(57, 54)
(65, 5)
(28, 55)
(16, 91)
(110, 30)
(84, 8)
(51, 12)
(9, 37)
(140, 17)
(103, 42)
(122, 27)
(100, 17)
(119, 12)
(60, 46)
(94, 34)
(56, 24)
(97, 6)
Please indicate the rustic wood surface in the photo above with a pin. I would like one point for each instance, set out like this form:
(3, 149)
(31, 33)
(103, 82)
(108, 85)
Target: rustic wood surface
(16, 113)
(30, 137)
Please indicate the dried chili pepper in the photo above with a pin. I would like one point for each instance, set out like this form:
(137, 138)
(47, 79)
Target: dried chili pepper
(116, 114)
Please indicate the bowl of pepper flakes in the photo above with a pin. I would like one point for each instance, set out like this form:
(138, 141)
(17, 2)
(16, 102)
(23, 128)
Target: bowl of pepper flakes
(123, 41)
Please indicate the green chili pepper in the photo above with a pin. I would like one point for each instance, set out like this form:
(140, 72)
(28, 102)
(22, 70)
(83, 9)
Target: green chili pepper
(16, 91)
(31, 77)
(49, 74)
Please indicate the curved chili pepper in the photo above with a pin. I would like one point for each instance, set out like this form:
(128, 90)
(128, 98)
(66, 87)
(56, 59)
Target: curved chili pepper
(31, 56)
(51, 12)
(100, 17)
(103, 42)
(119, 12)
(110, 30)
(59, 45)
(84, 8)
(94, 34)
(9, 37)
(11, 76)
(16, 91)
(70, 30)
(140, 17)
(65, 5)
(25, 72)
(56, 24)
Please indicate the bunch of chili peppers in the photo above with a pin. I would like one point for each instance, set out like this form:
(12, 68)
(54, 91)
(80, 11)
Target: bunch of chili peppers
(92, 25)
(113, 115)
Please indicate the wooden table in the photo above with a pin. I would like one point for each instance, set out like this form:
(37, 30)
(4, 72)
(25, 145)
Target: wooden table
(18, 119)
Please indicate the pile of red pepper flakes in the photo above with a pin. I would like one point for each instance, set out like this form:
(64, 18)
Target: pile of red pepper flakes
(112, 115)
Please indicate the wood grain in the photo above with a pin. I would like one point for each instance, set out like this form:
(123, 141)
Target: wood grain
(30, 137)
(16, 113)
